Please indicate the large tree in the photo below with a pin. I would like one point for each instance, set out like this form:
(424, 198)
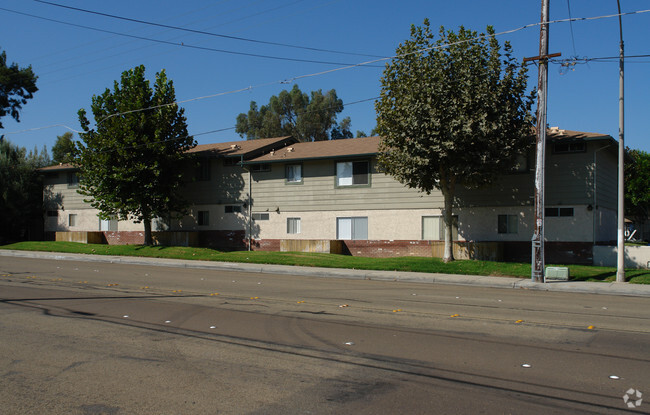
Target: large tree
(452, 112)
(129, 163)
(17, 85)
(63, 149)
(637, 186)
(292, 113)
(21, 191)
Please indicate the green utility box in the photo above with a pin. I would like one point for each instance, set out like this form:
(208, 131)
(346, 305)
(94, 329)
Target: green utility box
(557, 274)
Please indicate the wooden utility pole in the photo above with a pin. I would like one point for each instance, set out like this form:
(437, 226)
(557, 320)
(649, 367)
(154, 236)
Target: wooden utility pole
(537, 266)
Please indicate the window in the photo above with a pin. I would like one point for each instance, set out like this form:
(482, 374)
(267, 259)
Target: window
(293, 225)
(53, 213)
(72, 219)
(230, 161)
(108, 224)
(204, 218)
(433, 228)
(260, 168)
(508, 224)
(293, 173)
(260, 216)
(352, 228)
(352, 173)
(233, 209)
(558, 211)
(574, 147)
(73, 179)
(203, 170)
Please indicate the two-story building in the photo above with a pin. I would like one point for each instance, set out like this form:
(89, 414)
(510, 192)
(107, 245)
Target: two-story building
(275, 191)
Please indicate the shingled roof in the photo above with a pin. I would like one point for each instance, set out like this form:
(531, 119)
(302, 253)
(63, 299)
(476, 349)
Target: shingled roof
(352, 147)
(243, 147)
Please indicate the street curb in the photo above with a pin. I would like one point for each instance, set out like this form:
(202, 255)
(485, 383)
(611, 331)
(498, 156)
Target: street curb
(613, 288)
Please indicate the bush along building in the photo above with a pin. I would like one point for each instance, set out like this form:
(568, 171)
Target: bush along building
(329, 196)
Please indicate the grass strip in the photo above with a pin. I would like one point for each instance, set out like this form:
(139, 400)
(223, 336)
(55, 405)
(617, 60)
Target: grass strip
(305, 259)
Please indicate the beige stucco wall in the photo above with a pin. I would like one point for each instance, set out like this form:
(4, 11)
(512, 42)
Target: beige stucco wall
(474, 224)
(218, 219)
(87, 220)
(382, 224)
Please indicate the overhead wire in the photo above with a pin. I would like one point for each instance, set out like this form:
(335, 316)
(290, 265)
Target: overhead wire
(290, 80)
(114, 64)
(202, 32)
(181, 44)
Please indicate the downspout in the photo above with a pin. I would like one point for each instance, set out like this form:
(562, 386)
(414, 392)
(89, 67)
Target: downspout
(595, 196)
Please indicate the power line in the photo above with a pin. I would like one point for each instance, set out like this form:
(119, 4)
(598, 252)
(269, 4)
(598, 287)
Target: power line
(361, 64)
(568, 4)
(201, 32)
(181, 44)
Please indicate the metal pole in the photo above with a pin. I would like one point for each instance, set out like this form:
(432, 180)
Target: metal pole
(537, 268)
(620, 263)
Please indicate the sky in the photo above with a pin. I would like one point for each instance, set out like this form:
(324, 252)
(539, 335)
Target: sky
(217, 77)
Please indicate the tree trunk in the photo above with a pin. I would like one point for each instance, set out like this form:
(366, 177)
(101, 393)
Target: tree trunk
(148, 239)
(447, 186)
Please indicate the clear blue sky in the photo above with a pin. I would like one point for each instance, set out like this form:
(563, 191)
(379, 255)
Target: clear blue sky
(75, 63)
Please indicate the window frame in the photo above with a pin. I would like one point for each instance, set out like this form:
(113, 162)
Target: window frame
(230, 161)
(354, 234)
(559, 212)
(260, 216)
(441, 228)
(293, 226)
(260, 168)
(203, 218)
(571, 147)
(72, 180)
(287, 167)
(509, 225)
(232, 209)
(203, 170)
(72, 219)
(352, 163)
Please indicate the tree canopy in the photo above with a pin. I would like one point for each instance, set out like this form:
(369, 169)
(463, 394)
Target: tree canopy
(452, 112)
(637, 185)
(297, 114)
(63, 149)
(130, 162)
(21, 192)
(17, 85)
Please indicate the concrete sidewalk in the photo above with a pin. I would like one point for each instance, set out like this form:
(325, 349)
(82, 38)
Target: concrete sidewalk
(638, 290)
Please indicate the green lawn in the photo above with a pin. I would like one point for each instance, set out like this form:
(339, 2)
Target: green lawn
(415, 264)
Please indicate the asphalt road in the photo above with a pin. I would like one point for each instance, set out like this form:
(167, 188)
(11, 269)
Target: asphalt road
(98, 338)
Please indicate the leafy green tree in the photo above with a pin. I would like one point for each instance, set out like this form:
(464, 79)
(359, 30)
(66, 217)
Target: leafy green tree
(63, 149)
(342, 130)
(452, 112)
(17, 85)
(292, 113)
(360, 134)
(21, 192)
(130, 162)
(637, 185)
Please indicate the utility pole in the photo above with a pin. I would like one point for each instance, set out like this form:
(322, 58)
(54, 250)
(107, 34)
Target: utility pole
(620, 260)
(537, 266)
